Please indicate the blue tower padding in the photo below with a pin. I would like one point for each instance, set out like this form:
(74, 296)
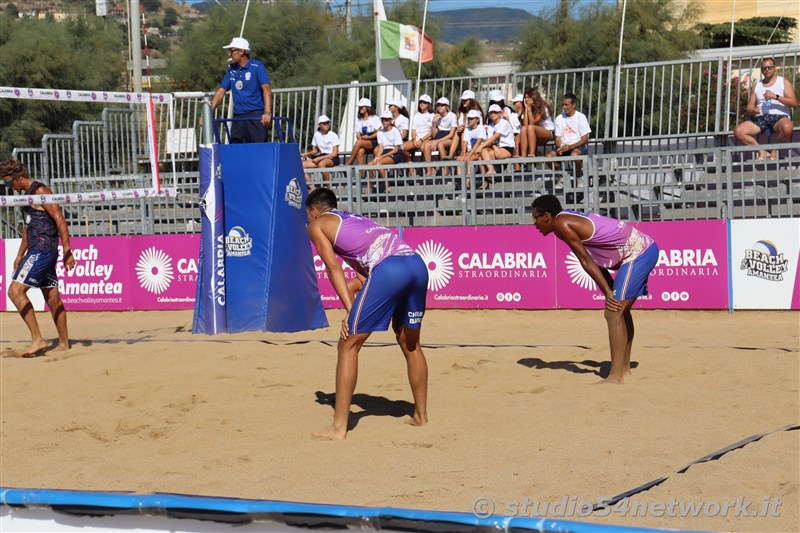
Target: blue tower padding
(270, 280)
(209, 306)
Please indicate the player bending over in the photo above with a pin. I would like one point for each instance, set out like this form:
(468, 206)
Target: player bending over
(392, 284)
(602, 244)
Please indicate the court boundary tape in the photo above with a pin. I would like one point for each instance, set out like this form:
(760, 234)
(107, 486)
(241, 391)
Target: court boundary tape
(706, 458)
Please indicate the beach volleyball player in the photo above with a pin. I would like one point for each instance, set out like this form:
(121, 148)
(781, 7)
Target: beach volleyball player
(602, 244)
(35, 263)
(391, 287)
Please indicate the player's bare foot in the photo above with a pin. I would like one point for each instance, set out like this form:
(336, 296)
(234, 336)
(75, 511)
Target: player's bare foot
(330, 433)
(416, 420)
(611, 381)
(61, 348)
(34, 349)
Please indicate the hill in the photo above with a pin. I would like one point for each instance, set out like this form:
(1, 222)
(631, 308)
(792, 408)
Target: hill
(491, 23)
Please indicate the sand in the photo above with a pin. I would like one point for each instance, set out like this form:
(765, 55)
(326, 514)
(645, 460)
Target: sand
(141, 404)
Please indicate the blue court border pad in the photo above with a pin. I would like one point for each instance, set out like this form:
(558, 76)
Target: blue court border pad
(310, 515)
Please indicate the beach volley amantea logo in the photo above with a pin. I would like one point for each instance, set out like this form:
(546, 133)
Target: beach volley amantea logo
(764, 261)
(439, 261)
(154, 270)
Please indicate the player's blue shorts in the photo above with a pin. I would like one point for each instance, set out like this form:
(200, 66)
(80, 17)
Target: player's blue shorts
(38, 269)
(395, 290)
(631, 279)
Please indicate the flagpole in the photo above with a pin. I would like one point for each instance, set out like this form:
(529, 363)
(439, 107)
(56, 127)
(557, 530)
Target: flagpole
(619, 68)
(421, 47)
(730, 65)
(377, 41)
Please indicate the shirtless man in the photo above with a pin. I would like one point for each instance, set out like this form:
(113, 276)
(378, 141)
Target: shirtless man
(35, 264)
(602, 244)
(391, 286)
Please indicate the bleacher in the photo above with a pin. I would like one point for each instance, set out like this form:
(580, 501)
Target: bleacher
(665, 157)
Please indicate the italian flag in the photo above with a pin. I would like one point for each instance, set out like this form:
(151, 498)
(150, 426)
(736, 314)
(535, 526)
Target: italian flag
(404, 42)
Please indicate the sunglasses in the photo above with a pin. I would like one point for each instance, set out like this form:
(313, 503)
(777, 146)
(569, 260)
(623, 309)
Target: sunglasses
(768, 68)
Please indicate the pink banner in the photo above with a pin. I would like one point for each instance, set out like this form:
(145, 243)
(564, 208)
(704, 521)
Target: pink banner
(121, 273)
(691, 273)
(4, 276)
(163, 271)
(498, 267)
(100, 278)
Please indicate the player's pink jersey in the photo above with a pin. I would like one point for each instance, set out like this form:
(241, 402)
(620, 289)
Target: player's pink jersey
(363, 244)
(613, 242)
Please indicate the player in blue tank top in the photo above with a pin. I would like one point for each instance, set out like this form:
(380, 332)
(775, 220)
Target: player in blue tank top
(391, 286)
(35, 263)
(602, 244)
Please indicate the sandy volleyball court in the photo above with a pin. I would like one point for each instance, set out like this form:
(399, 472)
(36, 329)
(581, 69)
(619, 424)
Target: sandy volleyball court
(141, 404)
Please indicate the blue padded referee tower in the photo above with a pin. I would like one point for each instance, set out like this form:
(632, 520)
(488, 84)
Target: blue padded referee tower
(270, 281)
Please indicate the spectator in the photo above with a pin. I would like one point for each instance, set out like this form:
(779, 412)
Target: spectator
(572, 133)
(496, 97)
(468, 103)
(538, 122)
(770, 108)
(443, 129)
(389, 150)
(515, 117)
(325, 149)
(499, 141)
(420, 127)
(473, 140)
(367, 127)
(400, 114)
(252, 94)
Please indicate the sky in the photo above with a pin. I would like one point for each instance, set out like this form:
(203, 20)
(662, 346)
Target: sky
(534, 6)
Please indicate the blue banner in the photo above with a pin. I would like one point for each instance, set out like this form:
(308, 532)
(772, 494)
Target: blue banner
(209, 308)
(271, 282)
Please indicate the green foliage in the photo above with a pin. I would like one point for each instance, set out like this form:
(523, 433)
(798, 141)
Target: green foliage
(11, 10)
(151, 6)
(303, 45)
(655, 30)
(80, 53)
(170, 17)
(748, 32)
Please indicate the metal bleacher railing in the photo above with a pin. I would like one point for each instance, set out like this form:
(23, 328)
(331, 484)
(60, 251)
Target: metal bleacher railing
(661, 149)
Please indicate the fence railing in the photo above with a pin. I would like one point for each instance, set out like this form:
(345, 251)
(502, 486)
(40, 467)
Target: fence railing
(683, 107)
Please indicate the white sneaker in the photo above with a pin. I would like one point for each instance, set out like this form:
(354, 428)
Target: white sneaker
(559, 183)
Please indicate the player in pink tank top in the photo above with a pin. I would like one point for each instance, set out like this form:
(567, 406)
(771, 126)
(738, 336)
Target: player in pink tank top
(391, 286)
(602, 244)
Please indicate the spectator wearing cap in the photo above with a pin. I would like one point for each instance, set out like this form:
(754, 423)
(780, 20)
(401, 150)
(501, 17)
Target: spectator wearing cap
(537, 125)
(367, 126)
(443, 130)
(249, 82)
(467, 104)
(420, 126)
(400, 114)
(325, 149)
(572, 132)
(472, 140)
(499, 141)
(389, 150)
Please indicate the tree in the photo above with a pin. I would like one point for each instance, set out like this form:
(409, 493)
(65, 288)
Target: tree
(748, 32)
(79, 53)
(655, 30)
(12, 11)
(170, 17)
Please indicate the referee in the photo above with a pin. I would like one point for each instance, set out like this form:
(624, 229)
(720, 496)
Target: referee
(252, 94)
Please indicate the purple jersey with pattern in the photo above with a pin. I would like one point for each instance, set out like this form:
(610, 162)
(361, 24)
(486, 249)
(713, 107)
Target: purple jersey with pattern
(613, 242)
(363, 244)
